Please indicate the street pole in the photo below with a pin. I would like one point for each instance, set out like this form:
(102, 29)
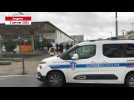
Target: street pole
(22, 56)
(116, 24)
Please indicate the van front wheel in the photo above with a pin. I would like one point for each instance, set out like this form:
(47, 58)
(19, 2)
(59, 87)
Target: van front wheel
(55, 79)
(130, 80)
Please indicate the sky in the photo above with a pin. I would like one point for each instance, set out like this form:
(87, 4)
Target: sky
(92, 25)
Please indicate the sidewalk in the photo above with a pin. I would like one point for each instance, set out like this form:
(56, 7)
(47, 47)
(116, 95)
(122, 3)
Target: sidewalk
(16, 67)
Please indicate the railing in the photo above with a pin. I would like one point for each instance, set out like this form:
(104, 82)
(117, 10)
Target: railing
(10, 66)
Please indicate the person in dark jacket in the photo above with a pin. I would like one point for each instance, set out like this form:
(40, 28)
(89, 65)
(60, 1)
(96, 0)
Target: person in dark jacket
(61, 48)
(67, 46)
(49, 45)
(57, 48)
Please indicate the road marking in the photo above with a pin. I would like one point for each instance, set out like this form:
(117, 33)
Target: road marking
(15, 76)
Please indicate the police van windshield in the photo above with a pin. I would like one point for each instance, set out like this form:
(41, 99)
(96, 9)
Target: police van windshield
(64, 54)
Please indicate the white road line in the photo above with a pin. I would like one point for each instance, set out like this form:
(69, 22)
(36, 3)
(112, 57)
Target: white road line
(15, 76)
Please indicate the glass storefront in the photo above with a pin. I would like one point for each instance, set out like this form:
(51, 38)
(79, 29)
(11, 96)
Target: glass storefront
(39, 41)
(25, 43)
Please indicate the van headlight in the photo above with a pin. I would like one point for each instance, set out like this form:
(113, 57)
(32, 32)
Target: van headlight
(39, 68)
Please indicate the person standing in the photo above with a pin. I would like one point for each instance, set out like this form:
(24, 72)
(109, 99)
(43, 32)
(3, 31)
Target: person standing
(48, 46)
(71, 45)
(62, 48)
(67, 46)
(57, 48)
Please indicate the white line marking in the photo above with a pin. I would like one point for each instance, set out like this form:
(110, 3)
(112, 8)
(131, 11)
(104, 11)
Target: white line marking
(15, 76)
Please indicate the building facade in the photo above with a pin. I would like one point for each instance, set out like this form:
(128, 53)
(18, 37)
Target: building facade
(78, 38)
(34, 36)
(130, 35)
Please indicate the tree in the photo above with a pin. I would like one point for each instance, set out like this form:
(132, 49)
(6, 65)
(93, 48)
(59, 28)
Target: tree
(10, 45)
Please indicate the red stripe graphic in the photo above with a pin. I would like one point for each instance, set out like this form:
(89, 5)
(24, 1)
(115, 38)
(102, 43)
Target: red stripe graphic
(18, 18)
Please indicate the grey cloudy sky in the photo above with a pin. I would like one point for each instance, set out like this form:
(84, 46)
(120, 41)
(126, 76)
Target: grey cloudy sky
(92, 25)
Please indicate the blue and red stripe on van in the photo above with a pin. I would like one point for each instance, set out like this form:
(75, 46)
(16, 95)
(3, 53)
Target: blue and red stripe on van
(63, 66)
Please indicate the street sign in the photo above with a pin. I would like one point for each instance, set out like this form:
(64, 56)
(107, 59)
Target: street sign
(18, 20)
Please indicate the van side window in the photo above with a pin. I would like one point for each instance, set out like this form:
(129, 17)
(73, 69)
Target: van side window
(84, 52)
(130, 50)
(118, 50)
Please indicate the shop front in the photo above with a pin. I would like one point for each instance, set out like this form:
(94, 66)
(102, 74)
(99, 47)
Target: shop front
(29, 39)
(25, 44)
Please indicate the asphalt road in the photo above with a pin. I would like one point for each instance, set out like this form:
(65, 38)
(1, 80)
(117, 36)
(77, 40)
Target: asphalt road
(31, 81)
(20, 81)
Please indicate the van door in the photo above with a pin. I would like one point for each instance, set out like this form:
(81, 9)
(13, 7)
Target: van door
(84, 68)
(116, 60)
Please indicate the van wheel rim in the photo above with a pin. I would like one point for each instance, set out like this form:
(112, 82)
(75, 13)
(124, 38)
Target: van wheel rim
(131, 81)
(55, 79)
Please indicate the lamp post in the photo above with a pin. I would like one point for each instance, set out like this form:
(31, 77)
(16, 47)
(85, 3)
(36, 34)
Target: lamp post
(23, 62)
(116, 24)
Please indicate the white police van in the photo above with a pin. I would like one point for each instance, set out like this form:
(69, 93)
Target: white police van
(104, 61)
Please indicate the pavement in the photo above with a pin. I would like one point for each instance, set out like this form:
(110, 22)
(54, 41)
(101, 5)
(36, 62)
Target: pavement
(16, 67)
(20, 81)
(31, 81)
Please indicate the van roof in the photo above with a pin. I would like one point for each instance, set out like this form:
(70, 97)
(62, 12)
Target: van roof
(105, 42)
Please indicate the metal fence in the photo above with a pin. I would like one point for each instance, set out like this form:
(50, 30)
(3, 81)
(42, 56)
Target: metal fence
(12, 66)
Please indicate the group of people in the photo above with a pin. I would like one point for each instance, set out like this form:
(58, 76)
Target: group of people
(54, 48)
